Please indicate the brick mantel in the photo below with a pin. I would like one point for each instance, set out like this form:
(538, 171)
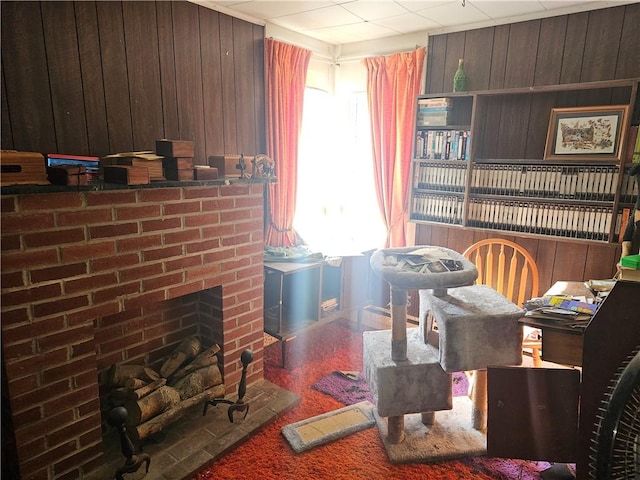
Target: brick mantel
(69, 258)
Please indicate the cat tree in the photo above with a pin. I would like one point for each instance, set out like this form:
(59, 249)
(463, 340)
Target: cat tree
(462, 327)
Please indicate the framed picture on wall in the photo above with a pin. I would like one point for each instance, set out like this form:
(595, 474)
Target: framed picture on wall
(586, 133)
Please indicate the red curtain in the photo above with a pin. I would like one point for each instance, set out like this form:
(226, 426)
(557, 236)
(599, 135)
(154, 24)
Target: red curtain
(285, 78)
(393, 83)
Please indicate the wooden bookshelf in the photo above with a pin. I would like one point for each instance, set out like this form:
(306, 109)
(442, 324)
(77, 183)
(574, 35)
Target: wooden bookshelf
(502, 181)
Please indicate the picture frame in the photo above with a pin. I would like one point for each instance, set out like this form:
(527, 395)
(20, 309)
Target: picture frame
(587, 133)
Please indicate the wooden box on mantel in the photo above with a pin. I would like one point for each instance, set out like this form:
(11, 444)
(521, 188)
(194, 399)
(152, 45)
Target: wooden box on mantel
(175, 148)
(146, 159)
(203, 172)
(126, 174)
(67, 175)
(227, 164)
(22, 168)
(178, 168)
(179, 175)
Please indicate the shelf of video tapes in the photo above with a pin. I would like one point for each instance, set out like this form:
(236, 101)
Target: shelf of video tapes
(433, 207)
(558, 200)
(442, 144)
(581, 221)
(626, 205)
(592, 183)
(450, 176)
(628, 189)
(443, 128)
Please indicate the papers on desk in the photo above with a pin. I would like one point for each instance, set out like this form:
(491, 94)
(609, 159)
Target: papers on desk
(572, 304)
(571, 311)
(601, 285)
(559, 315)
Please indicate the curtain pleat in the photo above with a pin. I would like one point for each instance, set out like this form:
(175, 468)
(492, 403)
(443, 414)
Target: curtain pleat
(393, 83)
(285, 77)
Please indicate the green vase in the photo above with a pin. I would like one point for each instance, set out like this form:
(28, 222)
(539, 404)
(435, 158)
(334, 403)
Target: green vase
(460, 78)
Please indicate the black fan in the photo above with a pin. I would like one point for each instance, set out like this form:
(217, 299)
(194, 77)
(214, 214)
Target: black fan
(616, 450)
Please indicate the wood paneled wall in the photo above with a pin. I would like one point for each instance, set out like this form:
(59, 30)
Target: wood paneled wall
(92, 78)
(581, 47)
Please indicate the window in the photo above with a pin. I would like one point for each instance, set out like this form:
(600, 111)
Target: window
(336, 211)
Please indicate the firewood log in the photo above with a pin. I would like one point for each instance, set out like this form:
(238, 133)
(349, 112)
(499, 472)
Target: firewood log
(118, 375)
(139, 393)
(156, 424)
(135, 383)
(198, 381)
(206, 358)
(188, 349)
(155, 403)
(123, 394)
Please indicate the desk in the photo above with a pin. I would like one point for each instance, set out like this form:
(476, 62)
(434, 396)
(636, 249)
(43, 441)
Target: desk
(561, 343)
(529, 412)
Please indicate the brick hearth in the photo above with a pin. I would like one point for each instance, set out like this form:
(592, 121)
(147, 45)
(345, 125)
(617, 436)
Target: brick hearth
(83, 274)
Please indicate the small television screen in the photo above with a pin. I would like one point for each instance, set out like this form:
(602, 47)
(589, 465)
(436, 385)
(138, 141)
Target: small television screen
(90, 163)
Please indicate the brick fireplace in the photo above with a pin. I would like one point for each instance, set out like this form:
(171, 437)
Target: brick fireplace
(92, 278)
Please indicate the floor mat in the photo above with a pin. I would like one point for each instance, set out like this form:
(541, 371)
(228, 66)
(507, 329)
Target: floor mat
(350, 387)
(330, 426)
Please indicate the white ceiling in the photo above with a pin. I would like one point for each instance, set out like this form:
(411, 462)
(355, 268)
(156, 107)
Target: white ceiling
(340, 22)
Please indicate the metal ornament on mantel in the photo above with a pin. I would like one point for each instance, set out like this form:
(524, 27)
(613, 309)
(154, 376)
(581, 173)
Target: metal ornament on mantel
(263, 166)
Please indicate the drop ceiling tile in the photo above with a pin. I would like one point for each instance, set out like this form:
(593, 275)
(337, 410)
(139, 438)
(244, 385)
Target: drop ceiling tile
(407, 23)
(453, 13)
(367, 30)
(268, 9)
(373, 10)
(559, 4)
(416, 5)
(227, 3)
(333, 16)
(501, 9)
(332, 36)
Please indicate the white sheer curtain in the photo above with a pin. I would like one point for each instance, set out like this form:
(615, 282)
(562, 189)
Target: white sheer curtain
(337, 212)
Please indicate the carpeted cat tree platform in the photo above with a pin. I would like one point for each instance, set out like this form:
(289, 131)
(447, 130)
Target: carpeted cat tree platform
(462, 327)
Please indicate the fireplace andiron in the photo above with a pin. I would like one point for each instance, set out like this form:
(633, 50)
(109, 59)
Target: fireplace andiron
(238, 406)
(117, 418)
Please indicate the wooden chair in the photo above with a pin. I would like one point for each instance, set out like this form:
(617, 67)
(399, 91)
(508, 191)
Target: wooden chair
(510, 270)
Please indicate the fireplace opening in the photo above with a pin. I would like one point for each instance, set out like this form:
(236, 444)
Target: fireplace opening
(159, 361)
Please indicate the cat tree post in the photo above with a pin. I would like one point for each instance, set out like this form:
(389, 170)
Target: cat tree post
(398, 324)
(395, 424)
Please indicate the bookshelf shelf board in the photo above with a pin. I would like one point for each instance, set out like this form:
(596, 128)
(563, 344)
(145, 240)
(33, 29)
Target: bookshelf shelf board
(539, 161)
(443, 162)
(440, 193)
(435, 222)
(443, 127)
(559, 238)
(537, 201)
(561, 87)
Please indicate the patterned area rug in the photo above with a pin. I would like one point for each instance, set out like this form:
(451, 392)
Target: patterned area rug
(349, 387)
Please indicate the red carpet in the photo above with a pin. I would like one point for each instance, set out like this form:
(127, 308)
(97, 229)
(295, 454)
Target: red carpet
(267, 455)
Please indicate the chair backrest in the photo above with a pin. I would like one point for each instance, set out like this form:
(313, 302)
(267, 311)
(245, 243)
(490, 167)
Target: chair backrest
(506, 267)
